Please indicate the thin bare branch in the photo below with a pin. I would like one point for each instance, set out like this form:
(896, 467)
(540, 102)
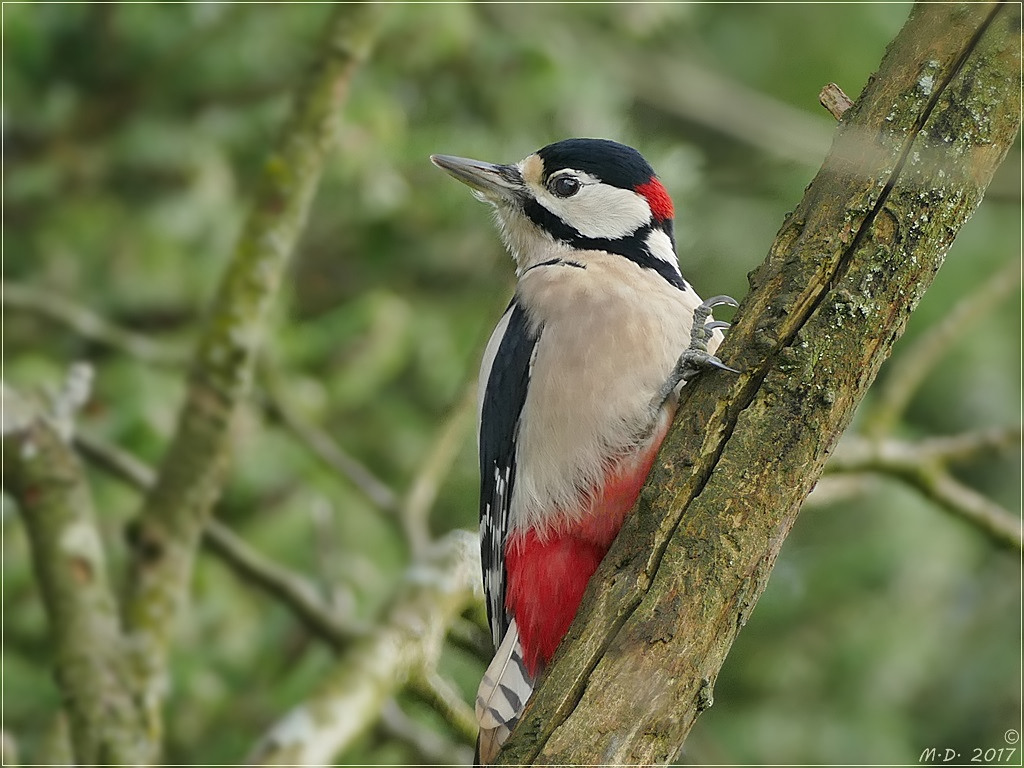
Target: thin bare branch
(923, 466)
(433, 748)
(472, 638)
(294, 591)
(116, 461)
(970, 445)
(92, 326)
(445, 699)
(324, 447)
(859, 454)
(911, 367)
(331, 563)
(425, 486)
(89, 325)
(837, 488)
(968, 504)
(352, 696)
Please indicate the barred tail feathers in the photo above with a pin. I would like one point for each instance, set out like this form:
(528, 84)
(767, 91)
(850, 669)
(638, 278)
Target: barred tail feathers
(504, 690)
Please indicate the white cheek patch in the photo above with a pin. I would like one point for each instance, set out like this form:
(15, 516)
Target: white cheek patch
(598, 210)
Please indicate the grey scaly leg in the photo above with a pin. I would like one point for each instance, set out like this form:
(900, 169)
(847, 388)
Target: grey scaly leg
(696, 357)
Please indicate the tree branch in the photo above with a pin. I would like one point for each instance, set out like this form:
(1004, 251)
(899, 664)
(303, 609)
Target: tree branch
(859, 454)
(88, 324)
(94, 327)
(472, 638)
(923, 466)
(443, 698)
(912, 367)
(409, 640)
(191, 475)
(444, 449)
(296, 593)
(117, 462)
(434, 748)
(324, 447)
(43, 474)
(849, 264)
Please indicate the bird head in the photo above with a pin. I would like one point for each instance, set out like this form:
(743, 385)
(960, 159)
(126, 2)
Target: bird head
(576, 195)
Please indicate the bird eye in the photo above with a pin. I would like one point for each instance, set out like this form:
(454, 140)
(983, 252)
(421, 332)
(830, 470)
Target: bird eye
(565, 186)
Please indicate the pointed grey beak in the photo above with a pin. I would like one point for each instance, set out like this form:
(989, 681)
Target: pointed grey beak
(493, 183)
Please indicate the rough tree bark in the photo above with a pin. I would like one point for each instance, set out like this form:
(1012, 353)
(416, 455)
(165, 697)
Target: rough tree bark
(909, 164)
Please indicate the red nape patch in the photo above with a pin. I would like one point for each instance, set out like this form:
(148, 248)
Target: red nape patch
(546, 580)
(658, 198)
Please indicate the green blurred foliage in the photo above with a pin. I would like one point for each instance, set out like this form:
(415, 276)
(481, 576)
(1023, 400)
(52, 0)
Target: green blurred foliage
(132, 136)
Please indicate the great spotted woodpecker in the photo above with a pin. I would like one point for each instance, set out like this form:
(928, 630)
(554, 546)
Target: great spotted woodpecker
(578, 386)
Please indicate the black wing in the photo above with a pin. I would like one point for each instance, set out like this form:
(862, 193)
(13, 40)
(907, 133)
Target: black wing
(502, 404)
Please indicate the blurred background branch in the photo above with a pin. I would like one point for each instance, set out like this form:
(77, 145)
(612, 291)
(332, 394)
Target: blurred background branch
(192, 471)
(428, 744)
(925, 466)
(42, 472)
(442, 696)
(346, 703)
(910, 370)
(323, 446)
(89, 325)
(298, 594)
(444, 449)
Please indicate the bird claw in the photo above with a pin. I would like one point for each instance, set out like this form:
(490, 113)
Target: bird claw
(696, 357)
(693, 361)
(719, 300)
(702, 329)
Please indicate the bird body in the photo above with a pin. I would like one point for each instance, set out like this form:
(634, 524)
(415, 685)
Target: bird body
(578, 386)
(587, 436)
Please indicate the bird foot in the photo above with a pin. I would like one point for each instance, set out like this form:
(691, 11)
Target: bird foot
(696, 357)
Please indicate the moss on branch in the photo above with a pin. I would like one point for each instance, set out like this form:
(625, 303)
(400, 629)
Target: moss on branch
(43, 474)
(192, 471)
